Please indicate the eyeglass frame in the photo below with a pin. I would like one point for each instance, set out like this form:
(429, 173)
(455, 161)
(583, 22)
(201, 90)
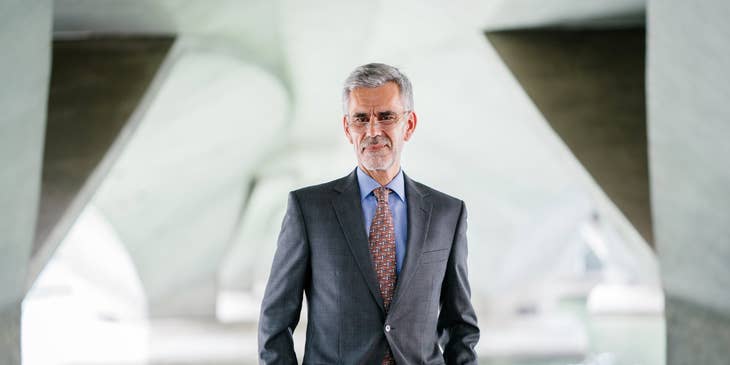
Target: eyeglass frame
(378, 123)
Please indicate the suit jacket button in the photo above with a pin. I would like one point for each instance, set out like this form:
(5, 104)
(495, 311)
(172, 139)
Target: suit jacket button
(387, 328)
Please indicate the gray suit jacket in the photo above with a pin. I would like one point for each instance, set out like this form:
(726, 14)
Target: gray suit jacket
(323, 253)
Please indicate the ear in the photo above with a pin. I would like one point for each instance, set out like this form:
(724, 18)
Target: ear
(410, 126)
(346, 127)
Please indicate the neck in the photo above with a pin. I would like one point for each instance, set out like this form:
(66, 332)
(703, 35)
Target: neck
(383, 177)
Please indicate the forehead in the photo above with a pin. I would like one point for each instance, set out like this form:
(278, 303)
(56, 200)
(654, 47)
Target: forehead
(384, 97)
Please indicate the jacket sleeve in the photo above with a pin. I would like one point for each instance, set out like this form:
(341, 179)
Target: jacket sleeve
(282, 302)
(457, 324)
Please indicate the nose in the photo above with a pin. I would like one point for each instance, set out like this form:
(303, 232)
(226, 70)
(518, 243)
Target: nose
(372, 129)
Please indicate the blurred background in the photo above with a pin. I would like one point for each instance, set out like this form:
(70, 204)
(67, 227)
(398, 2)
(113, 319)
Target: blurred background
(147, 148)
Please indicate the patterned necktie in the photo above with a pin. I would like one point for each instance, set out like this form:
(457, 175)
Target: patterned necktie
(382, 250)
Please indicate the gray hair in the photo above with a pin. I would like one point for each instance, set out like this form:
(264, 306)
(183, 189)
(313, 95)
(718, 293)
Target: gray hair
(374, 75)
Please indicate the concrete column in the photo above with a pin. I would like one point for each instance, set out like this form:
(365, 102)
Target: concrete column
(688, 89)
(25, 35)
(10, 333)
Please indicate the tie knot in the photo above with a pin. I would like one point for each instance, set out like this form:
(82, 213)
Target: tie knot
(381, 193)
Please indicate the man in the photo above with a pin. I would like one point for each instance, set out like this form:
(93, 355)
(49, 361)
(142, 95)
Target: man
(380, 257)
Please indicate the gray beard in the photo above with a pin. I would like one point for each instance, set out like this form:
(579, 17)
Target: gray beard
(376, 162)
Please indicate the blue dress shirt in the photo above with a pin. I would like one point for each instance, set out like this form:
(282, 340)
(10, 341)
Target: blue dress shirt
(397, 203)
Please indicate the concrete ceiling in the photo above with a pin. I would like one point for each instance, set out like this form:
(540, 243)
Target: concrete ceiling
(240, 18)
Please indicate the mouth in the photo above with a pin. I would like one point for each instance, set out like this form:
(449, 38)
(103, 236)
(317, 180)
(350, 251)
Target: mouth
(375, 147)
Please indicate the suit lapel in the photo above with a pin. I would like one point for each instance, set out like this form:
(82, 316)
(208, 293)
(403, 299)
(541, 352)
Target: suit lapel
(348, 208)
(419, 218)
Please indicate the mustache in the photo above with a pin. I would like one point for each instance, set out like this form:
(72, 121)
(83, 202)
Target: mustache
(380, 139)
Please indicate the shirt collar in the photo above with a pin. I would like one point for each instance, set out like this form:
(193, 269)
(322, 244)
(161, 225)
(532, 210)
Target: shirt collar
(368, 184)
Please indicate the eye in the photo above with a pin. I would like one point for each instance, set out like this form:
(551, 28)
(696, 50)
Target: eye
(387, 117)
(360, 119)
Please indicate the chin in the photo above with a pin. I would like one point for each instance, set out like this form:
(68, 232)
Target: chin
(376, 161)
(377, 164)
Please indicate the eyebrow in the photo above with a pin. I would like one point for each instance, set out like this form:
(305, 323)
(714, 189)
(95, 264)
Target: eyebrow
(376, 113)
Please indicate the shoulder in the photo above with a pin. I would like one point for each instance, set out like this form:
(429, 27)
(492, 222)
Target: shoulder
(438, 197)
(324, 190)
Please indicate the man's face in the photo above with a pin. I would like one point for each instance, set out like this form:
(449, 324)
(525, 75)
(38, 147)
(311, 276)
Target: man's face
(377, 147)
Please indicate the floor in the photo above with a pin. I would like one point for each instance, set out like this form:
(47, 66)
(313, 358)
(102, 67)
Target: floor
(611, 340)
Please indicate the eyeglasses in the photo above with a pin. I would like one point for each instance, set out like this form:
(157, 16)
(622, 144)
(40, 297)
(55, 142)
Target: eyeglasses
(383, 120)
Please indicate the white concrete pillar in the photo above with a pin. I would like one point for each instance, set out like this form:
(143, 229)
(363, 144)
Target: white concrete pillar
(25, 40)
(688, 89)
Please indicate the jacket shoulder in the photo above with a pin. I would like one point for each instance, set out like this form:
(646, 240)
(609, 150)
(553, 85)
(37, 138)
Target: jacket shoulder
(321, 190)
(437, 196)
